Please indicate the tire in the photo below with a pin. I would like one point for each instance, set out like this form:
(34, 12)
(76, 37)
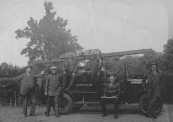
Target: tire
(144, 103)
(66, 104)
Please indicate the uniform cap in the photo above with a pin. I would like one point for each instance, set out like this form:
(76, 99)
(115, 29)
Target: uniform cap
(53, 67)
(153, 63)
(29, 66)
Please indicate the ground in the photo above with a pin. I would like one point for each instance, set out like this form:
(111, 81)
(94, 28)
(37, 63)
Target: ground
(128, 113)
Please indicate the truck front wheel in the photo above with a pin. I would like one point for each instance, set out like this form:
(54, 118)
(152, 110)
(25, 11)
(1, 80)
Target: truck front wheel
(66, 104)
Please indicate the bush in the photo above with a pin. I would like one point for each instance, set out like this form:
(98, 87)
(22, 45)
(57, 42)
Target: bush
(9, 89)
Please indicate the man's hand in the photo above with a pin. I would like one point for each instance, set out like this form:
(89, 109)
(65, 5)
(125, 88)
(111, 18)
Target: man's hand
(104, 96)
(62, 89)
(42, 72)
(46, 93)
(13, 79)
(64, 72)
(73, 74)
(146, 81)
(67, 88)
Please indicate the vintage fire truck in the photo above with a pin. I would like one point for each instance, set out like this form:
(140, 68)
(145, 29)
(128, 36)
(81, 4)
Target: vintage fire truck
(83, 92)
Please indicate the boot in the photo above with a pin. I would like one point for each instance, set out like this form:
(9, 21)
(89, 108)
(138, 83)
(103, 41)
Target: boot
(116, 107)
(57, 111)
(148, 115)
(104, 114)
(104, 110)
(115, 116)
(103, 106)
(57, 114)
(154, 115)
(47, 113)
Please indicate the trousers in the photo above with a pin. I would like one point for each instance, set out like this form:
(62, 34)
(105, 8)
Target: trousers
(152, 105)
(104, 101)
(52, 101)
(72, 79)
(33, 96)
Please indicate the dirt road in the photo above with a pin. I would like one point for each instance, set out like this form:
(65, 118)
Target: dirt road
(128, 113)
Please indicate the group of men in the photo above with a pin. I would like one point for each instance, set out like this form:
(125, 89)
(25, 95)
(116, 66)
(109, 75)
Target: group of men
(153, 82)
(53, 86)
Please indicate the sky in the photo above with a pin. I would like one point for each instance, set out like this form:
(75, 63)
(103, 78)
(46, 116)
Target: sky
(108, 25)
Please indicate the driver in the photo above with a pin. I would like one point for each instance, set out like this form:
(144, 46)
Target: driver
(70, 68)
(94, 66)
(112, 89)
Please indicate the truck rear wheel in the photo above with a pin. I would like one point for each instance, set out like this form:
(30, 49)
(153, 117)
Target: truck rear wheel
(66, 104)
(144, 103)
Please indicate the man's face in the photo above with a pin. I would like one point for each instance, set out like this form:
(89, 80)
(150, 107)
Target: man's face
(153, 67)
(53, 71)
(111, 79)
(28, 69)
(92, 57)
(70, 58)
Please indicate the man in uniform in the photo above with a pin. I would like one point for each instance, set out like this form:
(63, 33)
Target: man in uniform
(53, 89)
(94, 66)
(27, 89)
(153, 92)
(70, 69)
(111, 90)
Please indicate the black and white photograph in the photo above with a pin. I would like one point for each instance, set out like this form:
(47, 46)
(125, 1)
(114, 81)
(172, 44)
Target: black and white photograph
(86, 60)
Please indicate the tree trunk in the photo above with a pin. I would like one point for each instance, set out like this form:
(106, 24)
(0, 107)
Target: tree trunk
(10, 101)
(15, 98)
(19, 98)
(5, 101)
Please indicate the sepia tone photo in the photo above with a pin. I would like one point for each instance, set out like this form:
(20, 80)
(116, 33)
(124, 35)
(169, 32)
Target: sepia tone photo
(86, 61)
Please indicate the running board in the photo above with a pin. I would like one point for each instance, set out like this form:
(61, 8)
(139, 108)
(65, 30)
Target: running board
(93, 103)
(85, 92)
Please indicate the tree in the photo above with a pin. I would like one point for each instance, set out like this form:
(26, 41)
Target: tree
(153, 56)
(168, 55)
(48, 37)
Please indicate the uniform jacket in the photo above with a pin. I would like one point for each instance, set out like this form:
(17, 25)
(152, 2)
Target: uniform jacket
(93, 65)
(154, 84)
(53, 85)
(112, 89)
(70, 67)
(26, 82)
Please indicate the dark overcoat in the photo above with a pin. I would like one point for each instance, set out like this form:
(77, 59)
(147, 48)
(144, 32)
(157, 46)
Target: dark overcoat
(53, 85)
(154, 84)
(112, 90)
(70, 67)
(26, 81)
(93, 66)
